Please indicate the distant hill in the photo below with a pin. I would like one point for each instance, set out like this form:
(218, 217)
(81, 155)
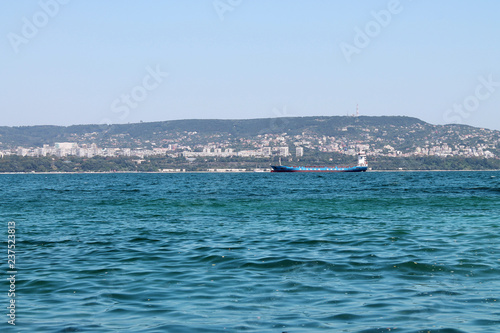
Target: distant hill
(36, 136)
(402, 133)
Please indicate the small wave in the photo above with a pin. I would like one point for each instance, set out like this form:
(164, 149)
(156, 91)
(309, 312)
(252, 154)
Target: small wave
(483, 189)
(343, 317)
(27, 242)
(442, 330)
(268, 263)
(419, 267)
(438, 293)
(486, 322)
(70, 329)
(378, 305)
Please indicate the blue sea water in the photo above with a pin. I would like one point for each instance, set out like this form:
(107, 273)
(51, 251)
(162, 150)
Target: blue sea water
(368, 252)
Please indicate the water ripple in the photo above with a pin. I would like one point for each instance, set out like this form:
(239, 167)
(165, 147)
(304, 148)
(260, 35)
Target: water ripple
(375, 252)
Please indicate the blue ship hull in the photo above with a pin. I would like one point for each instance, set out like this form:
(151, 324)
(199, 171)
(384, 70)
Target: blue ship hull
(282, 168)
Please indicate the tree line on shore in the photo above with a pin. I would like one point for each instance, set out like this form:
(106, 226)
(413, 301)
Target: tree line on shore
(154, 164)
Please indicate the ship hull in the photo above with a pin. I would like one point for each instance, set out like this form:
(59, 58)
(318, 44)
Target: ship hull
(283, 168)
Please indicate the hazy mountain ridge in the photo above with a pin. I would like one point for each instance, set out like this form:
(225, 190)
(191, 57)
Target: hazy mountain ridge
(401, 133)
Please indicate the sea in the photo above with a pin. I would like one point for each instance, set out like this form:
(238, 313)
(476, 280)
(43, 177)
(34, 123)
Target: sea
(252, 252)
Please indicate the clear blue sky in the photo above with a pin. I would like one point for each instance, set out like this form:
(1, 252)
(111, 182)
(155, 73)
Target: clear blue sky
(248, 59)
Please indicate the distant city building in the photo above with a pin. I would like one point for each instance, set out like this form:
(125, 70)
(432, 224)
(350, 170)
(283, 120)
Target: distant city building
(22, 151)
(65, 145)
(284, 151)
(299, 152)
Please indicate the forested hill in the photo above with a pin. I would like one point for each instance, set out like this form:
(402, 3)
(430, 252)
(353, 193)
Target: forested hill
(133, 134)
(38, 135)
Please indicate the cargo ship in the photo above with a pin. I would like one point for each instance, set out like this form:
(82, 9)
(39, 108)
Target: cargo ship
(361, 167)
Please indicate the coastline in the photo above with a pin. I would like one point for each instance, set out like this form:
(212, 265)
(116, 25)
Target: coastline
(212, 172)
